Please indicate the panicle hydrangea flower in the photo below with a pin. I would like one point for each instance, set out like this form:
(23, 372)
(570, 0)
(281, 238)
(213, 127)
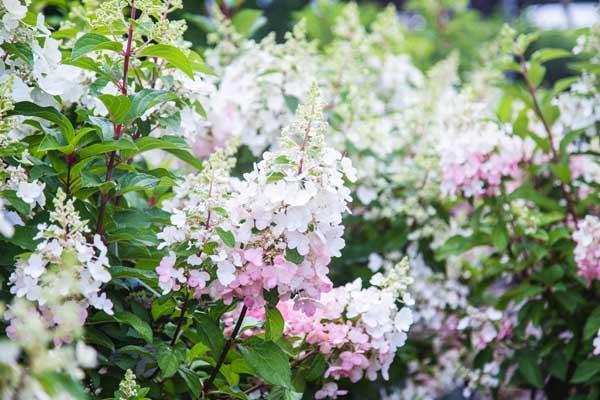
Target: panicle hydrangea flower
(64, 274)
(589, 43)
(15, 179)
(476, 154)
(406, 180)
(430, 312)
(358, 330)
(34, 340)
(197, 213)
(286, 217)
(579, 107)
(271, 75)
(587, 249)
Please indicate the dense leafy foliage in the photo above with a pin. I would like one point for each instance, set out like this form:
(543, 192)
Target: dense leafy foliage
(365, 208)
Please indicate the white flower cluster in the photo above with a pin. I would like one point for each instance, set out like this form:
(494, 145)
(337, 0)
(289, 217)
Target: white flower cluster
(31, 192)
(369, 100)
(579, 107)
(64, 274)
(197, 212)
(430, 312)
(34, 341)
(271, 76)
(42, 78)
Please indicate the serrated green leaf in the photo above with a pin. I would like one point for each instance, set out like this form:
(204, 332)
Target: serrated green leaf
(592, 325)
(132, 181)
(145, 99)
(20, 50)
(49, 114)
(210, 334)
(186, 156)
(191, 380)
(136, 323)
(93, 42)
(269, 361)
(586, 371)
(118, 107)
(16, 202)
(548, 54)
(274, 324)
(528, 366)
(226, 236)
(170, 53)
(125, 143)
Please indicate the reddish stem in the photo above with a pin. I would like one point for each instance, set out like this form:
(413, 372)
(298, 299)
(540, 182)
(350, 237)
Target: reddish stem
(555, 156)
(118, 129)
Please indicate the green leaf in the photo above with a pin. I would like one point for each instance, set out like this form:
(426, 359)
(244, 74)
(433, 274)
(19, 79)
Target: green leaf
(167, 361)
(49, 114)
(92, 42)
(586, 371)
(460, 244)
(592, 324)
(186, 156)
(269, 361)
(293, 256)
(528, 366)
(247, 21)
(148, 143)
(171, 54)
(191, 380)
(136, 323)
(316, 368)
(226, 236)
(131, 182)
(118, 107)
(125, 143)
(89, 64)
(550, 274)
(282, 393)
(275, 176)
(145, 99)
(210, 334)
(561, 171)
(199, 65)
(536, 74)
(20, 50)
(18, 204)
(544, 55)
(291, 102)
(49, 143)
(55, 383)
(274, 324)
(500, 236)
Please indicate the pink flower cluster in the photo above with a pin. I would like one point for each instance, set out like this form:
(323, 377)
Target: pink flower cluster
(171, 278)
(357, 330)
(286, 218)
(587, 251)
(476, 154)
(476, 165)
